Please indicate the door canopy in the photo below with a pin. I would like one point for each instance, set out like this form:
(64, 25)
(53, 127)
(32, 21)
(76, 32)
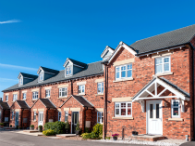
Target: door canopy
(160, 88)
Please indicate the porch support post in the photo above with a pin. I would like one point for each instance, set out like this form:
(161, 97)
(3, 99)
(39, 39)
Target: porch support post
(142, 102)
(182, 105)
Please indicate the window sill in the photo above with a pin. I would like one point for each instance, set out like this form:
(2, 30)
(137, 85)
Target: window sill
(99, 94)
(81, 94)
(164, 74)
(122, 80)
(35, 99)
(128, 118)
(60, 97)
(175, 119)
(23, 99)
(47, 97)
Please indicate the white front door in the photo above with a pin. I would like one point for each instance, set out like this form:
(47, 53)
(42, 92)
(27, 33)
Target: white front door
(154, 117)
(40, 118)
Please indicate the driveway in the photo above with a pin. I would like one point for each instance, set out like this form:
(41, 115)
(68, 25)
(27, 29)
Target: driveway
(14, 139)
(190, 143)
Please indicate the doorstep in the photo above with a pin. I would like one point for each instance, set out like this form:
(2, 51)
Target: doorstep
(146, 137)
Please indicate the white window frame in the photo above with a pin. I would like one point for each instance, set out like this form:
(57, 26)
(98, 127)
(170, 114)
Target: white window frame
(120, 109)
(12, 115)
(120, 71)
(66, 115)
(34, 115)
(35, 95)
(179, 109)
(15, 96)
(101, 86)
(41, 76)
(59, 116)
(6, 97)
(68, 71)
(65, 91)
(163, 63)
(24, 96)
(82, 87)
(100, 114)
(21, 81)
(47, 93)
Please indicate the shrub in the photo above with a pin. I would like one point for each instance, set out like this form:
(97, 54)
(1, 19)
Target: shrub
(78, 127)
(58, 127)
(10, 125)
(96, 133)
(1, 124)
(87, 130)
(32, 126)
(49, 132)
(40, 126)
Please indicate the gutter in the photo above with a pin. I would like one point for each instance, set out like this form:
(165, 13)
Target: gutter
(193, 101)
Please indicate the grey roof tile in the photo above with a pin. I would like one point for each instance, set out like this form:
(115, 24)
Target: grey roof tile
(28, 75)
(91, 69)
(4, 105)
(47, 103)
(23, 104)
(49, 70)
(165, 40)
(77, 62)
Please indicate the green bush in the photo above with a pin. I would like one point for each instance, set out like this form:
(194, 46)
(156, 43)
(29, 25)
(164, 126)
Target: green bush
(49, 132)
(67, 126)
(1, 124)
(78, 127)
(96, 133)
(10, 125)
(87, 130)
(32, 126)
(58, 127)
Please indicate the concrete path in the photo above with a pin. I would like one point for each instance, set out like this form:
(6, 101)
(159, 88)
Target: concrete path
(191, 143)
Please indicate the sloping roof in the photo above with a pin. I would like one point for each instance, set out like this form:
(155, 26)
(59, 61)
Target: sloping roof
(165, 40)
(47, 103)
(91, 69)
(49, 70)
(83, 101)
(28, 75)
(23, 104)
(77, 62)
(4, 105)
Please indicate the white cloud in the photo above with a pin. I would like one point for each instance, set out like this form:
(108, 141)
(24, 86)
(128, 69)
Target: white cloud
(10, 21)
(17, 67)
(6, 79)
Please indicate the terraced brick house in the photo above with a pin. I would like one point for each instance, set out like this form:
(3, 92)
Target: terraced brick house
(147, 87)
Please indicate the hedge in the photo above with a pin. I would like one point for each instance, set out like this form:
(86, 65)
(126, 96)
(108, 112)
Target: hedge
(58, 127)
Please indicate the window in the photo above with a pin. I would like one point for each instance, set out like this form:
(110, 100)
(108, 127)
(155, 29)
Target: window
(66, 116)
(123, 109)
(59, 116)
(6, 97)
(35, 95)
(124, 71)
(175, 109)
(162, 64)
(100, 117)
(81, 89)
(15, 97)
(68, 71)
(34, 115)
(24, 96)
(62, 92)
(100, 88)
(41, 76)
(20, 81)
(12, 115)
(47, 93)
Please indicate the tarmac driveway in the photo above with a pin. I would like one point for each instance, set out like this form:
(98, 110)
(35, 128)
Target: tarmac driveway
(14, 139)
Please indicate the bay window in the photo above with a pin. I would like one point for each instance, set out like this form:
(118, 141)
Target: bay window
(124, 71)
(123, 109)
(162, 65)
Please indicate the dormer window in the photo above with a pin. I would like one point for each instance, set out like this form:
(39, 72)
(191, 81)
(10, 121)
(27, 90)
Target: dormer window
(20, 81)
(41, 76)
(68, 71)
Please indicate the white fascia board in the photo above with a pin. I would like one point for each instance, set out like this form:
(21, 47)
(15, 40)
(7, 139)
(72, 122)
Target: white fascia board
(121, 44)
(77, 65)
(66, 62)
(106, 50)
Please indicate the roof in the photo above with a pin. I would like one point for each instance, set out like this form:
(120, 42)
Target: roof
(170, 39)
(23, 104)
(49, 70)
(91, 69)
(83, 101)
(47, 103)
(4, 105)
(77, 62)
(27, 75)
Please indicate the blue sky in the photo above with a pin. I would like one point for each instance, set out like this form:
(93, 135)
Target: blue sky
(44, 33)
